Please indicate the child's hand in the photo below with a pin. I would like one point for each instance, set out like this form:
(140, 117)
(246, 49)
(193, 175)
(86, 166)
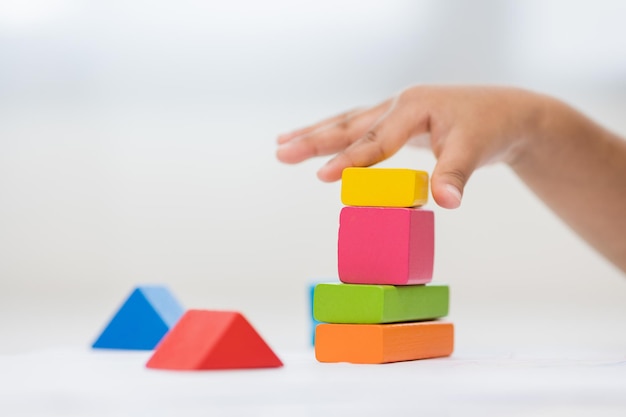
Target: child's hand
(466, 127)
(574, 165)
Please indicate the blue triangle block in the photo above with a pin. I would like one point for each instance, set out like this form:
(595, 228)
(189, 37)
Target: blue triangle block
(143, 319)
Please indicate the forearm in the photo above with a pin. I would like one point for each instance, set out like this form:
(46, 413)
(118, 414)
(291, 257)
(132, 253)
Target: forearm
(579, 170)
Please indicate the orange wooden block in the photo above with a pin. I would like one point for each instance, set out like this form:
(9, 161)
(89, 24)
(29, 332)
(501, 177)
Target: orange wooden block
(383, 343)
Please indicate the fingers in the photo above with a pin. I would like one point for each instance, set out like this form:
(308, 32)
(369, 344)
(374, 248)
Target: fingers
(384, 139)
(456, 162)
(330, 138)
(286, 137)
(421, 140)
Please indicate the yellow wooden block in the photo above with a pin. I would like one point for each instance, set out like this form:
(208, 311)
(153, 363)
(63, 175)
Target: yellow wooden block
(384, 187)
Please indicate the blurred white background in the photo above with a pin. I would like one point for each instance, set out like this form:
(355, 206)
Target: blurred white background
(137, 144)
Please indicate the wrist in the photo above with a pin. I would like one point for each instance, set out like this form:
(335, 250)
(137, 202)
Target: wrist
(540, 117)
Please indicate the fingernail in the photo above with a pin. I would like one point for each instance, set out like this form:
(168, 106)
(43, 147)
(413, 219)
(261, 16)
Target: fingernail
(285, 137)
(454, 191)
(284, 146)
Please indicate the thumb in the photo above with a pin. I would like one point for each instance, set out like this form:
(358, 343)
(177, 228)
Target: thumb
(455, 164)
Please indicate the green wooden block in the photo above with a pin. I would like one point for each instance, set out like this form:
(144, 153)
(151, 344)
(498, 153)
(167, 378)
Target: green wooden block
(369, 304)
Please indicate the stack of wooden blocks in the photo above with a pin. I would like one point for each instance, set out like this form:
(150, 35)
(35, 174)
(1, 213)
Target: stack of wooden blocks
(382, 311)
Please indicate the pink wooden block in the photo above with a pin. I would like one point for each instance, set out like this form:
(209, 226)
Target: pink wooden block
(392, 246)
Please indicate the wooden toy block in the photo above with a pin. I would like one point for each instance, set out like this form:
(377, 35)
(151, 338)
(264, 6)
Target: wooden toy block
(314, 321)
(393, 246)
(205, 339)
(367, 304)
(141, 322)
(383, 343)
(384, 187)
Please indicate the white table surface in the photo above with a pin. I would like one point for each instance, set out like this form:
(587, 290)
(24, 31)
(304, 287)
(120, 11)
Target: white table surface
(75, 381)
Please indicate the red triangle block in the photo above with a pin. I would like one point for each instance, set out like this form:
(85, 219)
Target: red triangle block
(204, 339)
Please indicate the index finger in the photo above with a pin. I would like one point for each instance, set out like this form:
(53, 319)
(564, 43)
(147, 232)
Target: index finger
(341, 118)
